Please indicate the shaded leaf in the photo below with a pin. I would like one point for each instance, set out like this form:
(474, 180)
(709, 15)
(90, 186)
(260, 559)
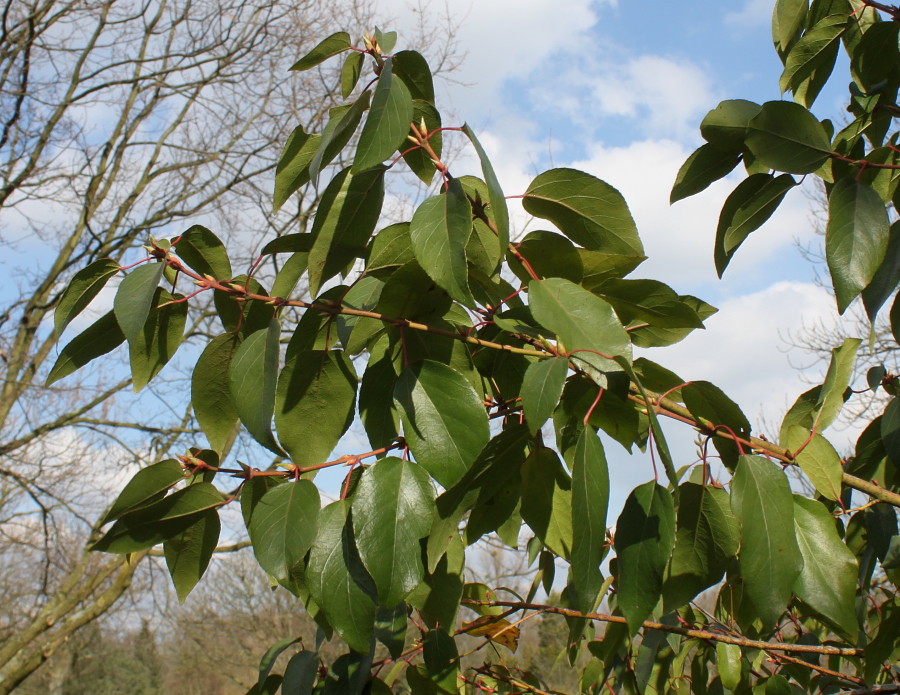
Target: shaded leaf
(188, 554)
(590, 501)
(292, 170)
(495, 193)
(787, 137)
(413, 69)
(388, 122)
(547, 500)
(252, 376)
(134, 298)
(705, 165)
(444, 420)
(204, 252)
(392, 510)
(283, 526)
(770, 559)
(726, 125)
(160, 338)
(327, 47)
(541, 389)
(145, 486)
(81, 290)
(818, 460)
(350, 72)
(833, 394)
(101, 337)
(856, 238)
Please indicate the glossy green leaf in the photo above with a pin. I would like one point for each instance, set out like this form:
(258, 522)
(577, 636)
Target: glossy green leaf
(648, 301)
(204, 252)
(145, 486)
(345, 219)
(439, 232)
(252, 376)
(188, 554)
(818, 460)
(856, 238)
(587, 325)
(786, 137)
(159, 521)
(283, 526)
(292, 170)
(244, 317)
(413, 69)
(444, 420)
(770, 559)
(81, 290)
(355, 332)
(392, 510)
(336, 578)
(726, 125)
(387, 124)
(134, 298)
(890, 430)
(587, 210)
(376, 403)
(709, 403)
(748, 207)
(330, 46)
(101, 337)
(788, 18)
(827, 582)
(314, 404)
(886, 278)
(496, 199)
(645, 535)
(390, 248)
(210, 392)
(707, 536)
(541, 389)
(390, 628)
(549, 255)
(161, 336)
(590, 502)
(547, 500)
(816, 49)
(350, 72)
(837, 379)
(340, 129)
(707, 164)
(728, 664)
(300, 674)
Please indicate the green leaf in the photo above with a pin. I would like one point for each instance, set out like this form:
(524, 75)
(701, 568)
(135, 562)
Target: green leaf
(390, 248)
(350, 72)
(816, 49)
(437, 597)
(728, 664)
(818, 460)
(746, 210)
(547, 500)
(314, 404)
(444, 420)
(210, 392)
(388, 122)
(188, 554)
(159, 339)
(204, 252)
(439, 232)
(496, 198)
(159, 521)
(330, 46)
(376, 403)
(549, 255)
(341, 126)
(645, 535)
(856, 238)
(827, 582)
(252, 376)
(890, 430)
(590, 502)
(413, 69)
(706, 538)
(787, 20)
(587, 210)
(392, 510)
(99, 338)
(334, 575)
(541, 389)
(144, 487)
(81, 290)
(385, 40)
(356, 332)
(787, 137)
(708, 402)
(283, 526)
(390, 628)
(586, 324)
(886, 278)
(770, 559)
(706, 164)
(271, 656)
(292, 170)
(648, 301)
(726, 125)
(441, 661)
(240, 316)
(417, 159)
(345, 219)
(134, 298)
(300, 674)
(840, 371)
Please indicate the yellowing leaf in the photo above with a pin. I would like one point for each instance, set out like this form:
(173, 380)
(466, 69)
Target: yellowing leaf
(495, 629)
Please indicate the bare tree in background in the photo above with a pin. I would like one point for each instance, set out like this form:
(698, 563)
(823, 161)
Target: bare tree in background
(121, 119)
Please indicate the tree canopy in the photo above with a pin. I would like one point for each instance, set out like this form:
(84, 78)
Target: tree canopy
(484, 367)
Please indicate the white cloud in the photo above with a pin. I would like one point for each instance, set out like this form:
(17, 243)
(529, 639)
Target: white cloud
(753, 13)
